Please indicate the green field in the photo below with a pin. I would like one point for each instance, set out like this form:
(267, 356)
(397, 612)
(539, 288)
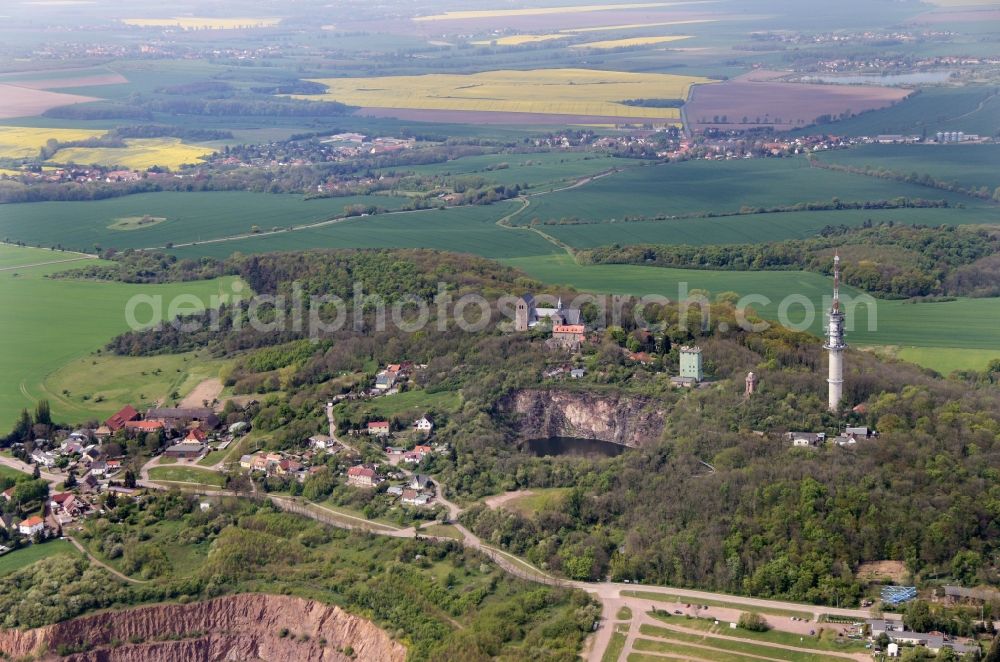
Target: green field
(50, 323)
(189, 217)
(19, 256)
(969, 165)
(101, 385)
(948, 359)
(540, 171)
(963, 323)
(459, 229)
(753, 228)
(25, 556)
(10, 472)
(972, 109)
(175, 474)
(722, 187)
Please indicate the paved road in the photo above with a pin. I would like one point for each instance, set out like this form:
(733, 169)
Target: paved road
(14, 463)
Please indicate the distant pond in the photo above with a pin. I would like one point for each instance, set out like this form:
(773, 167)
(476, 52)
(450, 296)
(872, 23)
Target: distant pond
(572, 446)
(914, 78)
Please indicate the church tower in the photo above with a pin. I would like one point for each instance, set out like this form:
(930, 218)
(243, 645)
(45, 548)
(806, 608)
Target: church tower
(835, 344)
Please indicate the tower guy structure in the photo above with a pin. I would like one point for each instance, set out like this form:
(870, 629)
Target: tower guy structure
(835, 344)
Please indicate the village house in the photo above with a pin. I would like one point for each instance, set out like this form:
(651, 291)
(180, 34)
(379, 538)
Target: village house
(45, 459)
(362, 476)
(246, 461)
(385, 380)
(414, 498)
(423, 424)
(8, 494)
(322, 442)
(806, 439)
(420, 482)
(31, 526)
(379, 428)
(99, 468)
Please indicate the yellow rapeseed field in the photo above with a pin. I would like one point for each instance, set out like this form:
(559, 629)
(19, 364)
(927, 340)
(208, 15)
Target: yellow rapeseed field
(139, 155)
(203, 23)
(21, 142)
(518, 39)
(636, 26)
(554, 91)
(538, 11)
(635, 41)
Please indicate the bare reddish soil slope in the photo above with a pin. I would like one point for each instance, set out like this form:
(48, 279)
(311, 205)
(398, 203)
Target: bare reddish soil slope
(239, 627)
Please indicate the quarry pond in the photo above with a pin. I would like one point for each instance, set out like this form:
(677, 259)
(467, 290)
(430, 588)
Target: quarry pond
(571, 447)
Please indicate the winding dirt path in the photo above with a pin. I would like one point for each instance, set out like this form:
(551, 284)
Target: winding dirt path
(96, 561)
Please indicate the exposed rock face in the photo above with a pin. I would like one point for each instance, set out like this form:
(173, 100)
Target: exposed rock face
(539, 413)
(239, 627)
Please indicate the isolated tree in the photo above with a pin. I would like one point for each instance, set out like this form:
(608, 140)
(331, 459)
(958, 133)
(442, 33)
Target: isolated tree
(43, 413)
(36, 473)
(130, 479)
(22, 429)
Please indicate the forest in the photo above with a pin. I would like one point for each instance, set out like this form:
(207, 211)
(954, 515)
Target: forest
(765, 519)
(887, 260)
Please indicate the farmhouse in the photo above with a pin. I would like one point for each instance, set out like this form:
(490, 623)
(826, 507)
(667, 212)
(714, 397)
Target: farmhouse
(124, 415)
(143, 427)
(362, 476)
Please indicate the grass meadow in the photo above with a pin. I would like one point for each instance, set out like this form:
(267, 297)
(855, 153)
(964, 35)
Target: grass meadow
(186, 474)
(101, 385)
(51, 323)
(21, 558)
